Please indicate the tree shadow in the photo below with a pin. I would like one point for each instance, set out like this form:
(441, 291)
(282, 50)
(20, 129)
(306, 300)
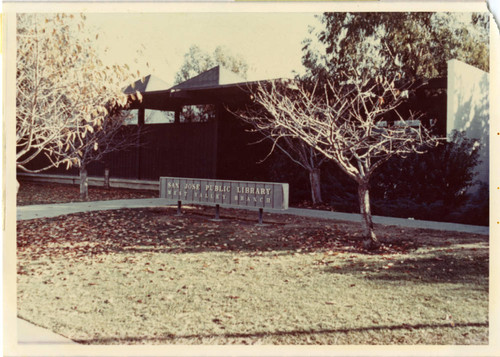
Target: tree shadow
(462, 266)
(171, 338)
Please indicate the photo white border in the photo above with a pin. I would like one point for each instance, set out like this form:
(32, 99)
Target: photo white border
(11, 348)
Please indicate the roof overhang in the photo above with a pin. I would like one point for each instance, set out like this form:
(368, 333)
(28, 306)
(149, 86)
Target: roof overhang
(173, 99)
(214, 86)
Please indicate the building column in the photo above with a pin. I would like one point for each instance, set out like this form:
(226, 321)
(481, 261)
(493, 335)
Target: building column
(140, 125)
(177, 119)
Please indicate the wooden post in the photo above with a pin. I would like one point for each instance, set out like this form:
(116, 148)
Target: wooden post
(106, 178)
(261, 213)
(217, 213)
(179, 212)
(84, 184)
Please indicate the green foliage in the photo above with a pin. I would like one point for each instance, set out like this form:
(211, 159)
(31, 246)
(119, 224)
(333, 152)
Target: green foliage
(339, 189)
(197, 61)
(433, 186)
(410, 46)
(443, 173)
(414, 44)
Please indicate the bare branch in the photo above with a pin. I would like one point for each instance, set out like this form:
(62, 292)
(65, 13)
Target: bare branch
(346, 122)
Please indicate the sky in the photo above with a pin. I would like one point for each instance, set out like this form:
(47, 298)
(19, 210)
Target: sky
(270, 43)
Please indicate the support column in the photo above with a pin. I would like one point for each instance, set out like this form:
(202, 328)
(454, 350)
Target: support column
(177, 118)
(140, 124)
(218, 111)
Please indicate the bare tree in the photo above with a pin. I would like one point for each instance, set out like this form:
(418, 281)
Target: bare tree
(309, 159)
(64, 92)
(351, 123)
(111, 136)
(296, 150)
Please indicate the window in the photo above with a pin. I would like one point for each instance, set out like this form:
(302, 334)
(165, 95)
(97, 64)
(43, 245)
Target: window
(414, 123)
(158, 117)
(132, 117)
(150, 117)
(197, 113)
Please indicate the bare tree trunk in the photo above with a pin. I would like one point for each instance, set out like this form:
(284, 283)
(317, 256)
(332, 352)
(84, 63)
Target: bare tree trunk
(84, 183)
(370, 239)
(315, 181)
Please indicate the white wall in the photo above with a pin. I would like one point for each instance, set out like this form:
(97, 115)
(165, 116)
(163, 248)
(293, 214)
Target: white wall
(468, 108)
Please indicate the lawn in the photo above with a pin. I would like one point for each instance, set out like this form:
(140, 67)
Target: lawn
(146, 276)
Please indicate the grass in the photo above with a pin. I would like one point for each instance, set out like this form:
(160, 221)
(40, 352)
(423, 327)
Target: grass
(148, 277)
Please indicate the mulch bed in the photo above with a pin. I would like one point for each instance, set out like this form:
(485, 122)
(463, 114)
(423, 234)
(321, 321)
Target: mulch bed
(34, 193)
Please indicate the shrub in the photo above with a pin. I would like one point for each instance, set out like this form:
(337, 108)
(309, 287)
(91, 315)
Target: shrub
(430, 186)
(434, 185)
(443, 173)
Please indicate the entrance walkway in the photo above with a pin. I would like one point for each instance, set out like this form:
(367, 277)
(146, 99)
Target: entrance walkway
(53, 210)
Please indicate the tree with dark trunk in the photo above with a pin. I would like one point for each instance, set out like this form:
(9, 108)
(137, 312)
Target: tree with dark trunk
(353, 122)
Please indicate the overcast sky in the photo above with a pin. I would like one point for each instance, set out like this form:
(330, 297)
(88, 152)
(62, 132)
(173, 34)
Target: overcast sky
(271, 43)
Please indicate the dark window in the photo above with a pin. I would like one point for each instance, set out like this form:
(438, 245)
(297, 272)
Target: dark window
(197, 113)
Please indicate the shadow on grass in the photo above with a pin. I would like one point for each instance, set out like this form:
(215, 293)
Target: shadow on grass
(172, 337)
(464, 266)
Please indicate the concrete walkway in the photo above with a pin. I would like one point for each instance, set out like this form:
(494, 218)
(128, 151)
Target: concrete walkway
(54, 210)
(58, 209)
(31, 334)
(392, 221)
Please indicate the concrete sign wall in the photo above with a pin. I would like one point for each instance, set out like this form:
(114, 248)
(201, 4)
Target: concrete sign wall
(468, 108)
(225, 193)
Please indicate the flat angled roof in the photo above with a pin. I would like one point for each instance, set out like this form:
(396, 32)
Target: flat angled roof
(212, 78)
